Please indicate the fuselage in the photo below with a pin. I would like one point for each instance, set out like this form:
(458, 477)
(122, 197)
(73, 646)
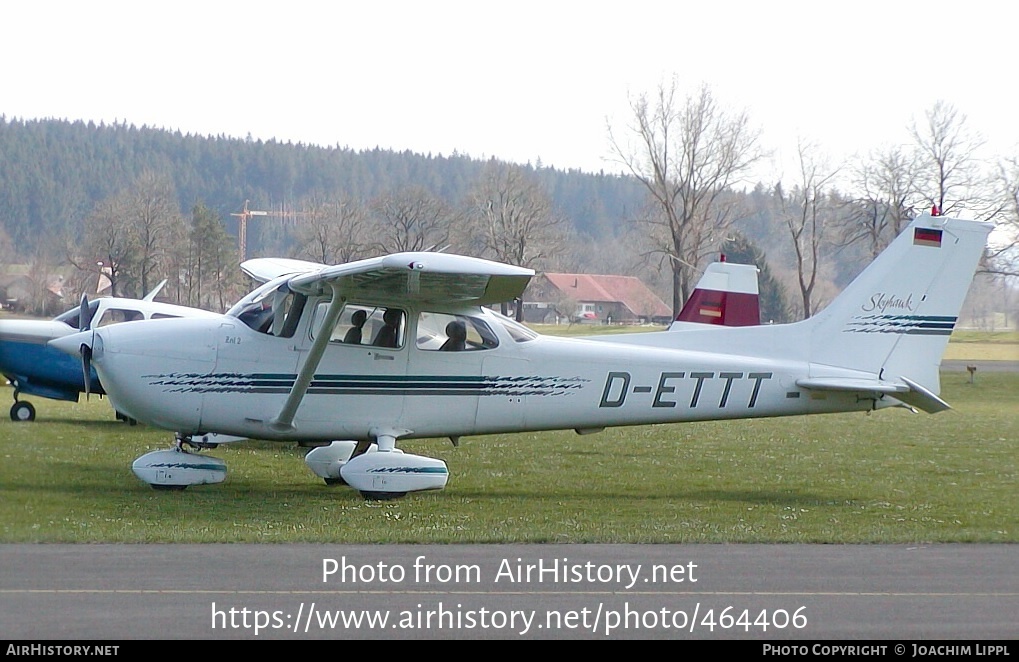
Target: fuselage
(221, 375)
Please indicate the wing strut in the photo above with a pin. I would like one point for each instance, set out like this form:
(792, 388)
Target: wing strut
(284, 421)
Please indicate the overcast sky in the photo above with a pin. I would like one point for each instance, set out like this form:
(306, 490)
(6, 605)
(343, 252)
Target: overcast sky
(519, 81)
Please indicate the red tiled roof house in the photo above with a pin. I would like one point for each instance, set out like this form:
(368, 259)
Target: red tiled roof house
(593, 298)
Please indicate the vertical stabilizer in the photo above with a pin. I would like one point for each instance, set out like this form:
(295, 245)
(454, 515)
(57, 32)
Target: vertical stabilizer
(726, 295)
(894, 320)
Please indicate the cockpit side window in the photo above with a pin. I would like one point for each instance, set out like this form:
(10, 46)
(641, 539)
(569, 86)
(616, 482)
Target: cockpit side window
(359, 324)
(258, 314)
(117, 315)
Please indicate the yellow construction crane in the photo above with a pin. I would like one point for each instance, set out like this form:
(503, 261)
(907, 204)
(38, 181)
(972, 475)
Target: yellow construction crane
(245, 215)
(242, 228)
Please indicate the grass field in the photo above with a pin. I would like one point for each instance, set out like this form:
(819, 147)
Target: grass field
(983, 345)
(889, 477)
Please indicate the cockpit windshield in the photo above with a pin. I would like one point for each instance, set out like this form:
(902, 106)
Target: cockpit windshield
(267, 308)
(256, 296)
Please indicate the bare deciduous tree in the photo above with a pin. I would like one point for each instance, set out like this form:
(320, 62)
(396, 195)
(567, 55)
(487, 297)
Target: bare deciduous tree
(950, 178)
(411, 220)
(150, 215)
(808, 222)
(105, 246)
(687, 156)
(512, 217)
(130, 235)
(42, 288)
(1003, 259)
(333, 231)
(887, 202)
(513, 220)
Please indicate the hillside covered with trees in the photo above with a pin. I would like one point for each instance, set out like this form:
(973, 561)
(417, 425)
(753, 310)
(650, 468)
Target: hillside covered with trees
(143, 204)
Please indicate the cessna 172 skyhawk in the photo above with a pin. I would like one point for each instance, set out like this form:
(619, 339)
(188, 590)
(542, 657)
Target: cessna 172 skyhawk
(432, 361)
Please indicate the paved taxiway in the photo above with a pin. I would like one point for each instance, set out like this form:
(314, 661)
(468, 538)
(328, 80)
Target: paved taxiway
(88, 593)
(981, 366)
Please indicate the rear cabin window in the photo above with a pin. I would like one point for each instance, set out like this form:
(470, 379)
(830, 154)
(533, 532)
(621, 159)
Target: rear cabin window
(516, 330)
(453, 333)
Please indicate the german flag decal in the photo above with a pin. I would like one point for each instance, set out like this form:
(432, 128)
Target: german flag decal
(927, 237)
(711, 309)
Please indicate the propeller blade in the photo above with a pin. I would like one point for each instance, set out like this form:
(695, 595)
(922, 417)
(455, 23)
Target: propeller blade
(84, 314)
(86, 368)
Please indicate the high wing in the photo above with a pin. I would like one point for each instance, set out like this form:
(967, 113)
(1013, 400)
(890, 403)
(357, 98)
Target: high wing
(265, 269)
(419, 277)
(411, 277)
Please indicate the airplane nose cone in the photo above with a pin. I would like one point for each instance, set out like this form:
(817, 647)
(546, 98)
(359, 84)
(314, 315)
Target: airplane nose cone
(71, 344)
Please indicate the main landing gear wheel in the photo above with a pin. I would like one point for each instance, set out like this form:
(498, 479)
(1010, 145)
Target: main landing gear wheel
(22, 411)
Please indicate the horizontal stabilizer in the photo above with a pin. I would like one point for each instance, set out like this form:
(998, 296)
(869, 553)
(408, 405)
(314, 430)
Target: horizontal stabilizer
(908, 391)
(853, 385)
(923, 398)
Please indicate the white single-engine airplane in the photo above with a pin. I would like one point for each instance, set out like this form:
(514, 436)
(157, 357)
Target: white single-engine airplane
(402, 347)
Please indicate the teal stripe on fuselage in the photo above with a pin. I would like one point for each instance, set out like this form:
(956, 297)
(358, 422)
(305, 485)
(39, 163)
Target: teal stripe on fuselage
(458, 385)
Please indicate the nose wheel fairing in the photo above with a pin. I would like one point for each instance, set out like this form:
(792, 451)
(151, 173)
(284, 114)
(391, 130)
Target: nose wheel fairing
(176, 469)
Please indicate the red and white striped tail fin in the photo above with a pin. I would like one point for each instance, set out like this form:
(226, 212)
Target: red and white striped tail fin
(726, 295)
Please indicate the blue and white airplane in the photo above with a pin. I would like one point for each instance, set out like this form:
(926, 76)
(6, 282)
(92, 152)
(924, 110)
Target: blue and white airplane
(431, 360)
(35, 368)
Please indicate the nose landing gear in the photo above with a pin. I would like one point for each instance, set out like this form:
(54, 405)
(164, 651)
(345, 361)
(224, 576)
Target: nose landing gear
(22, 411)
